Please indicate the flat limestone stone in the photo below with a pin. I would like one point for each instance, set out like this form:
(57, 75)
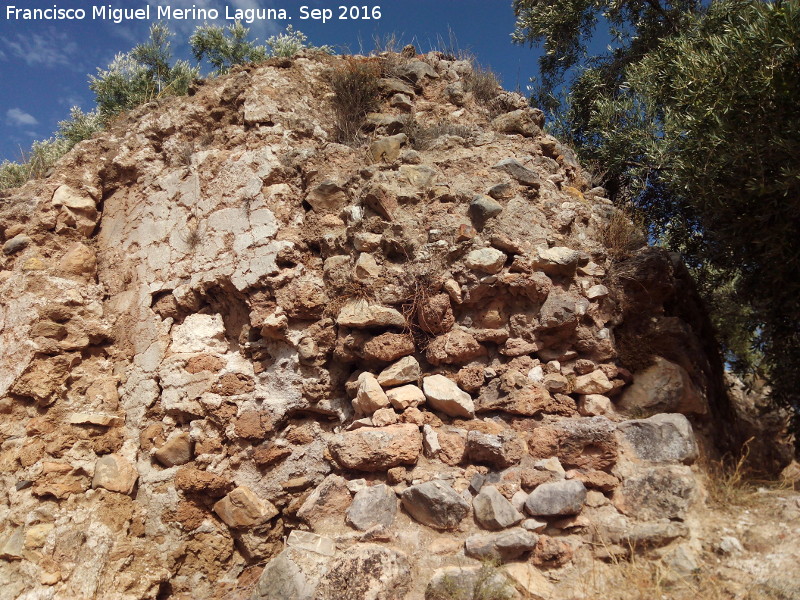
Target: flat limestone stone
(360, 314)
(114, 473)
(446, 396)
(305, 540)
(493, 511)
(406, 370)
(242, 508)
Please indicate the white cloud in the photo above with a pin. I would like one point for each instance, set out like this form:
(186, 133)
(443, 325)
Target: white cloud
(186, 27)
(129, 34)
(2, 55)
(71, 100)
(261, 28)
(20, 118)
(52, 49)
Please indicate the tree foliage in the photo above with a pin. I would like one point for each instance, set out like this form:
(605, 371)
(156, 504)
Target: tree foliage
(566, 27)
(224, 47)
(79, 126)
(44, 153)
(693, 117)
(154, 54)
(290, 42)
(141, 75)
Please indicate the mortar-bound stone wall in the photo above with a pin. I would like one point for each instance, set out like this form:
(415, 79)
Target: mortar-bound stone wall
(241, 359)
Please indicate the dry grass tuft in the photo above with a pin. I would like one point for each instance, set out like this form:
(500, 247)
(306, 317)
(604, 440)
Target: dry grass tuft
(490, 584)
(183, 157)
(353, 289)
(388, 48)
(646, 578)
(192, 235)
(483, 84)
(731, 483)
(422, 137)
(356, 93)
(423, 280)
(623, 233)
(206, 140)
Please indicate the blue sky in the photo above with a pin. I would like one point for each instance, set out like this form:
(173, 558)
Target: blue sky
(44, 64)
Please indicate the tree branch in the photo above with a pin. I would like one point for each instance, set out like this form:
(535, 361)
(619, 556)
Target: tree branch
(656, 6)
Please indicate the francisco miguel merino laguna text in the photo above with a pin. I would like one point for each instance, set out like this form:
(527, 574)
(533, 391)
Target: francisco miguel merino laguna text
(107, 12)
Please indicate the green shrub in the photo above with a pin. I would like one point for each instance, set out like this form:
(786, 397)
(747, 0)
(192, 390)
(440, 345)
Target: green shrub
(42, 156)
(125, 84)
(291, 42)
(12, 174)
(141, 75)
(225, 47)
(45, 154)
(80, 125)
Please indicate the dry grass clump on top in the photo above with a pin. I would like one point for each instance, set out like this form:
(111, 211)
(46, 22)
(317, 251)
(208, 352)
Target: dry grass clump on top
(623, 233)
(388, 48)
(422, 137)
(483, 84)
(349, 291)
(356, 93)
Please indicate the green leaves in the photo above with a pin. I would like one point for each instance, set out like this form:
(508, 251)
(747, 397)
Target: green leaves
(565, 29)
(45, 153)
(225, 47)
(291, 42)
(80, 125)
(141, 75)
(695, 119)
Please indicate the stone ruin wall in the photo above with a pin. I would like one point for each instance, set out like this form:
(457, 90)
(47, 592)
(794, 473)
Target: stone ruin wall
(240, 359)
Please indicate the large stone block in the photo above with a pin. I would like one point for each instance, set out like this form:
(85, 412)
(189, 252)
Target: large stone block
(377, 448)
(374, 505)
(663, 387)
(435, 504)
(504, 545)
(657, 493)
(115, 473)
(493, 511)
(444, 395)
(556, 498)
(242, 508)
(662, 438)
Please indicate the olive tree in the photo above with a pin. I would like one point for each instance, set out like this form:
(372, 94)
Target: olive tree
(692, 118)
